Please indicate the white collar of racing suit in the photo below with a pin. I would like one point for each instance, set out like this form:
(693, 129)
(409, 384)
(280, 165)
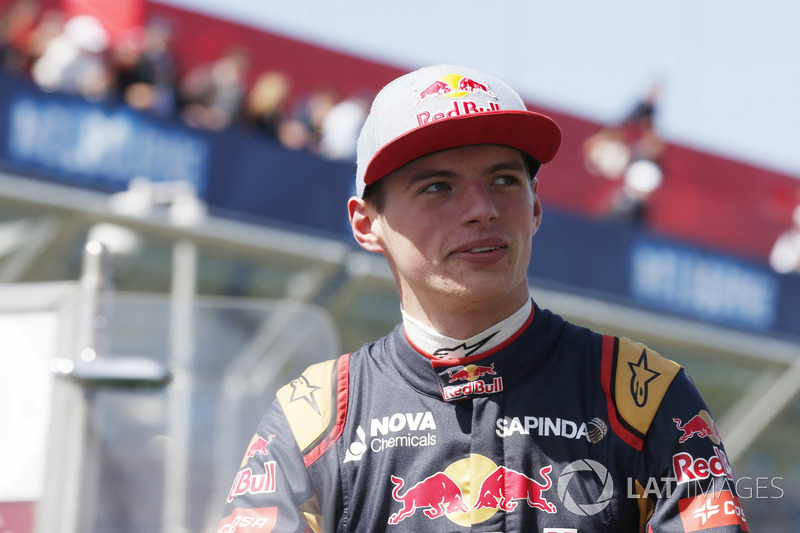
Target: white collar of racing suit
(431, 342)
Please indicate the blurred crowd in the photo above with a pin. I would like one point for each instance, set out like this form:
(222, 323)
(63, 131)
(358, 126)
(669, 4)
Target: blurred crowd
(77, 56)
(785, 254)
(629, 152)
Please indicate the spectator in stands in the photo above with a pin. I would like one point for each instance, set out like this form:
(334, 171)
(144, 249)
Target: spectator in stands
(647, 143)
(74, 62)
(212, 94)
(145, 69)
(126, 60)
(785, 255)
(50, 25)
(266, 101)
(606, 153)
(641, 179)
(630, 150)
(303, 129)
(341, 127)
(17, 25)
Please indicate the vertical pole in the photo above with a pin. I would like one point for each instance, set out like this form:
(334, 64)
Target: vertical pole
(82, 446)
(176, 468)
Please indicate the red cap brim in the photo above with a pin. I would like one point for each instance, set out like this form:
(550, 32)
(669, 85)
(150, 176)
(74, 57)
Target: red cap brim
(532, 133)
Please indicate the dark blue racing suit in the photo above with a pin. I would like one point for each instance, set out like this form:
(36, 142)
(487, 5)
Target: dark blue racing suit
(558, 429)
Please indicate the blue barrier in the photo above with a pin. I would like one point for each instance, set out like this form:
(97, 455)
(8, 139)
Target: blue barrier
(635, 266)
(94, 145)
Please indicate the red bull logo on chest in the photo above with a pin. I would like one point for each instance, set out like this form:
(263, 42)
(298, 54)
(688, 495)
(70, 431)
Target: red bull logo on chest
(459, 89)
(473, 388)
(471, 373)
(471, 491)
(468, 381)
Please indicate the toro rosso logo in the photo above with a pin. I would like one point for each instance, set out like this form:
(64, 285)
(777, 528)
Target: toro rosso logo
(501, 489)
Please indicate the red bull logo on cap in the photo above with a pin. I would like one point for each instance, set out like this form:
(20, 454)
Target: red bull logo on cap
(458, 88)
(498, 488)
(452, 86)
(701, 425)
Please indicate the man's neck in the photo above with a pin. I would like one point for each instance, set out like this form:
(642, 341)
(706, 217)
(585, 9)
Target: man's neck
(431, 342)
(461, 320)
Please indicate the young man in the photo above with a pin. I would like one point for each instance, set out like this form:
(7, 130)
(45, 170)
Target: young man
(481, 411)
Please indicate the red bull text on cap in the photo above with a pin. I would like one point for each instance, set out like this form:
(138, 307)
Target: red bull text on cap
(445, 106)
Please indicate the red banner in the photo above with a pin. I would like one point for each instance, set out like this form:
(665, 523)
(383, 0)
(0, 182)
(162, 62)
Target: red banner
(119, 17)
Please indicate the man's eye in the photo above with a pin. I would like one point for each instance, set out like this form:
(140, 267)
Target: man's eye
(436, 187)
(508, 180)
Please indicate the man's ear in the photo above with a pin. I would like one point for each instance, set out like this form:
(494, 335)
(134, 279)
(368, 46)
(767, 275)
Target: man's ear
(362, 222)
(537, 206)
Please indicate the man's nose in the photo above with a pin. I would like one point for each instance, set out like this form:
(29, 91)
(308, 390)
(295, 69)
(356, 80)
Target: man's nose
(478, 206)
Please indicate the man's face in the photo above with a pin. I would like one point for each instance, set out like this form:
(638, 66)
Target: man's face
(456, 227)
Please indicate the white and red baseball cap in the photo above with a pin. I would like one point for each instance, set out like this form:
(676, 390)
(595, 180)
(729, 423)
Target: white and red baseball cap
(445, 106)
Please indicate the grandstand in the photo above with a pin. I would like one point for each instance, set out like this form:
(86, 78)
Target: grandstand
(226, 266)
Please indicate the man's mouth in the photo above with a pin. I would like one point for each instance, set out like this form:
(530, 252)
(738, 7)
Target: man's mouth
(483, 249)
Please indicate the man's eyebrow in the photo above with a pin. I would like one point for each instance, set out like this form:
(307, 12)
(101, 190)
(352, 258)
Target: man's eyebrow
(422, 175)
(427, 174)
(512, 164)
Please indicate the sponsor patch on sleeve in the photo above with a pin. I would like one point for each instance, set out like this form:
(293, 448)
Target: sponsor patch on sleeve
(249, 521)
(707, 511)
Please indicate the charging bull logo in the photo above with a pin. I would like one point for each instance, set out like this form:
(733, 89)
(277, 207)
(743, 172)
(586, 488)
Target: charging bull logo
(437, 88)
(504, 485)
(437, 494)
(258, 445)
(471, 373)
(452, 86)
(471, 86)
(701, 425)
(499, 488)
